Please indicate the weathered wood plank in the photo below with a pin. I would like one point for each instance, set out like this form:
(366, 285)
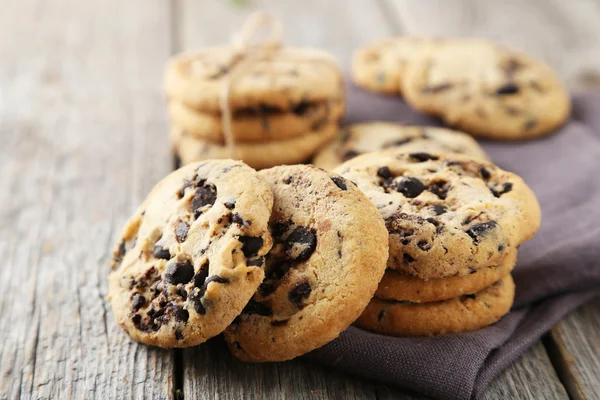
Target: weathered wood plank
(334, 25)
(562, 33)
(531, 377)
(574, 345)
(83, 139)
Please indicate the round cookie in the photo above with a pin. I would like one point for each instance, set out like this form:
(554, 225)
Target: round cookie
(399, 286)
(192, 255)
(487, 90)
(260, 125)
(257, 155)
(282, 79)
(328, 256)
(376, 136)
(380, 65)
(447, 214)
(461, 314)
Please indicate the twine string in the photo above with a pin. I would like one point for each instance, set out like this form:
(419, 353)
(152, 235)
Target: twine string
(245, 52)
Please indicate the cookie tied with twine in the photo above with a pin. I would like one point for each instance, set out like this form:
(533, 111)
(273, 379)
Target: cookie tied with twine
(252, 76)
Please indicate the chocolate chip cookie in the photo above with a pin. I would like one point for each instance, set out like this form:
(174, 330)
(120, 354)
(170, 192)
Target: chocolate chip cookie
(257, 124)
(283, 79)
(380, 66)
(192, 256)
(376, 136)
(258, 155)
(399, 286)
(461, 314)
(329, 253)
(447, 214)
(487, 90)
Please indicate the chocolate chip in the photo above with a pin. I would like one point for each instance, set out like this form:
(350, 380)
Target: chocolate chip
(380, 314)
(508, 88)
(468, 296)
(178, 335)
(162, 253)
(423, 156)
(251, 245)
(201, 276)
(301, 108)
(299, 293)
(179, 272)
(300, 244)
(137, 321)
(340, 182)
(196, 298)
(288, 180)
(384, 172)
(122, 249)
(410, 187)
(186, 184)
(396, 143)
(424, 245)
(236, 219)
(257, 262)
(485, 174)
(279, 323)
(350, 154)
(216, 279)
(500, 248)
(478, 230)
(181, 231)
(137, 302)
(505, 188)
(437, 88)
(254, 307)
(406, 258)
(180, 313)
(204, 196)
(439, 188)
(439, 209)
(230, 205)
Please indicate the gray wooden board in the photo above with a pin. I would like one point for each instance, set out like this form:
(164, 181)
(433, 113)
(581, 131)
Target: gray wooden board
(574, 344)
(83, 140)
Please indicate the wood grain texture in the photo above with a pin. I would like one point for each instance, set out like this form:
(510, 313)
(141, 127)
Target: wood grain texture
(333, 25)
(574, 345)
(562, 33)
(531, 377)
(83, 139)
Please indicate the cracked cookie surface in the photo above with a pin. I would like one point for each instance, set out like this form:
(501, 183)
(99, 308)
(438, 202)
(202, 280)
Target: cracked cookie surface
(461, 314)
(329, 253)
(487, 90)
(447, 214)
(192, 255)
(367, 137)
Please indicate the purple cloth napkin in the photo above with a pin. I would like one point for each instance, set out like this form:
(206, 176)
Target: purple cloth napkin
(558, 270)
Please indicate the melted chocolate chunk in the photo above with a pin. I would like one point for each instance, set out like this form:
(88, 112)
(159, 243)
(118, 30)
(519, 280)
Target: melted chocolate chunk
(279, 323)
(439, 209)
(251, 245)
(468, 296)
(216, 279)
(437, 88)
(350, 154)
(205, 195)
(395, 143)
(485, 174)
(423, 156)
(257, 262)
(504, 188)
(424, 245)
(236, 219)
(201, 276)
(340, 182)
(180, 313)
(196, 298)
(478, 230)
(179, 272)
(162, 253)
(230, 205)
(122, 249)
(407, 258)
(300, 244)
(178, 335)
(439, 188)
(137, 302)
(384, 172)
(299, 293)
(508, 88)
(410, 187)
(254, 307)
(181, 231)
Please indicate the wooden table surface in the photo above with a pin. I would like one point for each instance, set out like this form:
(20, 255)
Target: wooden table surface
(84, 137)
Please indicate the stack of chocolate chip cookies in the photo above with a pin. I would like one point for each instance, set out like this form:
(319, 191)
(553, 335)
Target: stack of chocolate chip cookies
(281, 261)
(285, 103)
(454, 225)
(475, 85)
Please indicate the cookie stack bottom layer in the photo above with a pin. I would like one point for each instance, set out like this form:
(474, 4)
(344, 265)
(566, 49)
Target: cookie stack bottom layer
(460, 314)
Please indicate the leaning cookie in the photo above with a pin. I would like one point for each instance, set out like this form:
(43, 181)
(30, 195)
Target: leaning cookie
(462, 314)
(281, 79)
(329, 253)
(257, 155)
(367, 137)
(399, 286)
(447, 214)
(260, 124)
(192, 255)
(487, 90)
